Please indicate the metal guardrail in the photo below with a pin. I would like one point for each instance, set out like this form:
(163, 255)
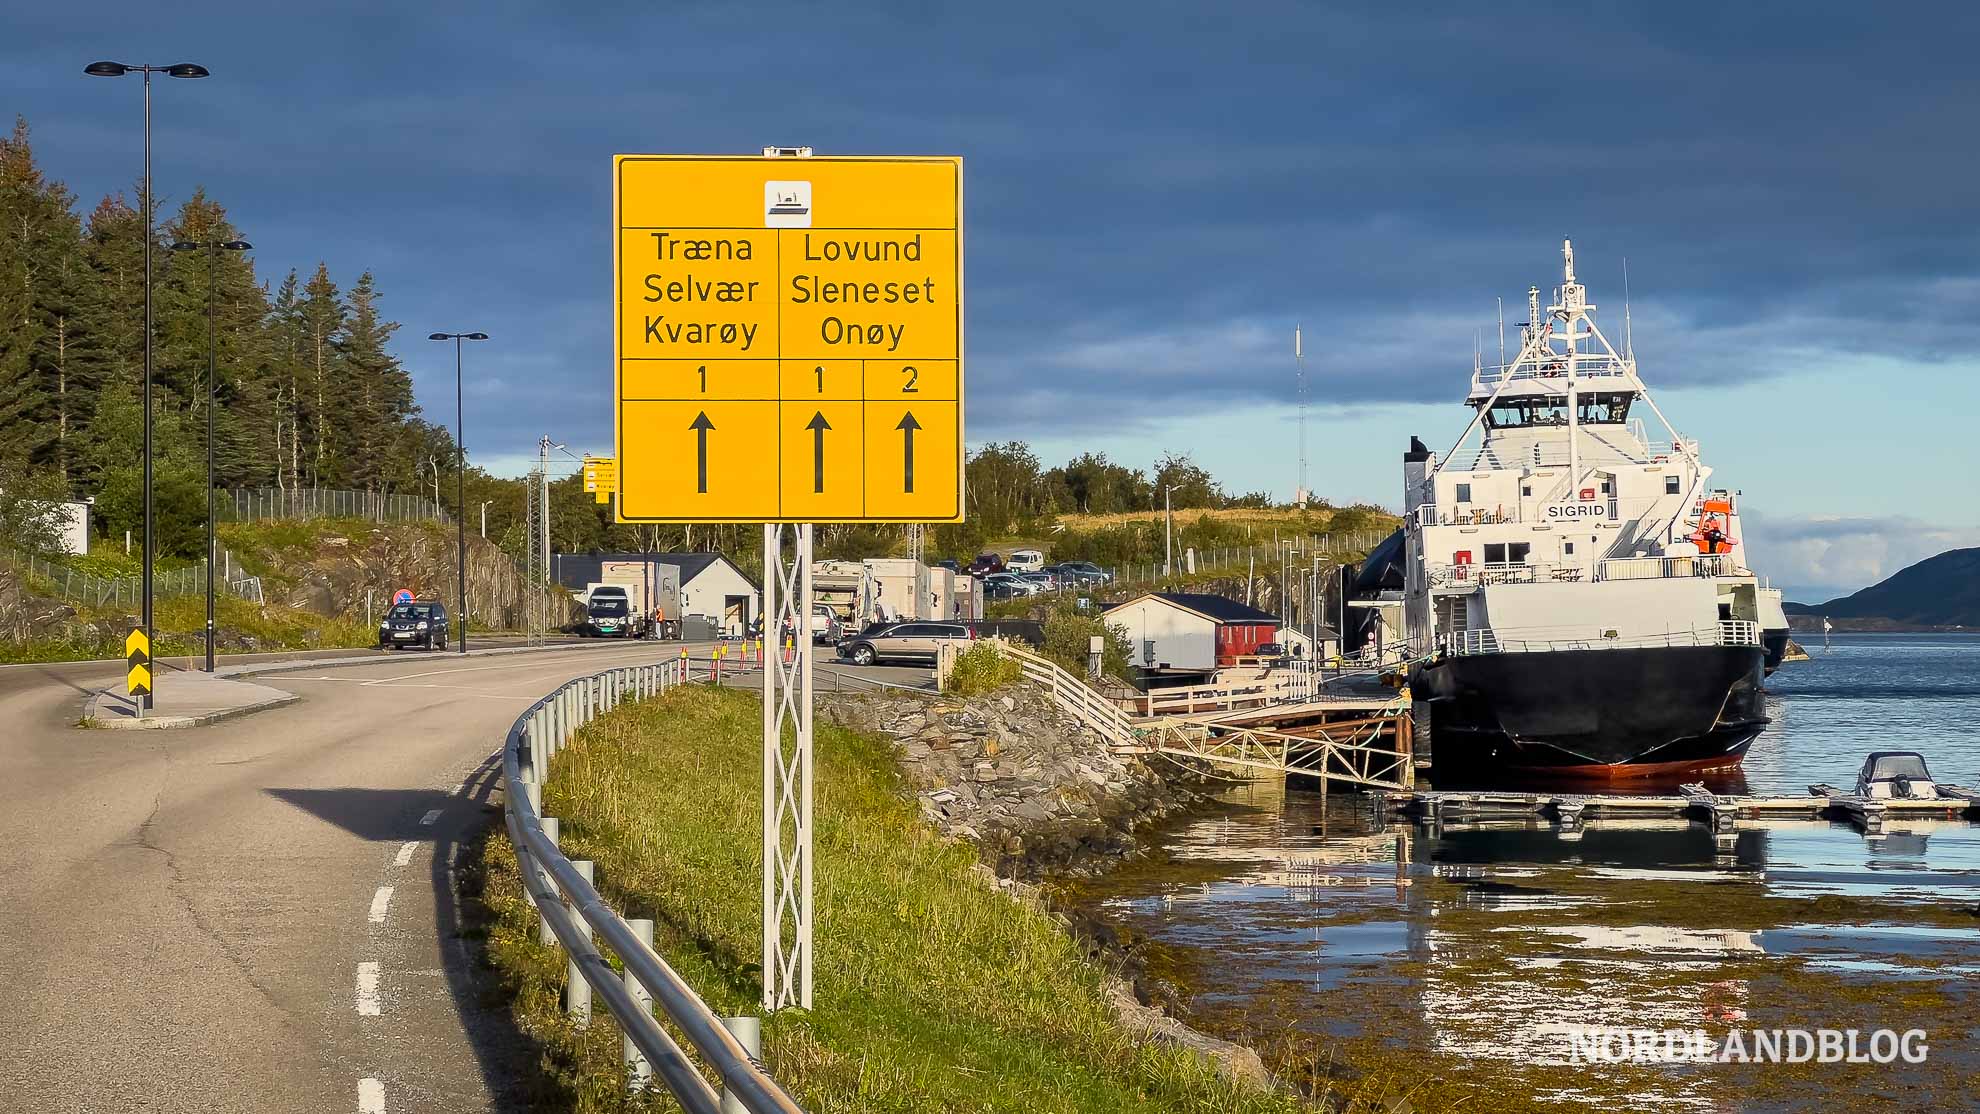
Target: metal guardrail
(572, 911)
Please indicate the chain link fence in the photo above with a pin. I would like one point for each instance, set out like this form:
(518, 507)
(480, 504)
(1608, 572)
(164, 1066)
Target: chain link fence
(265, 504)
(1244, 558)
(128, 591)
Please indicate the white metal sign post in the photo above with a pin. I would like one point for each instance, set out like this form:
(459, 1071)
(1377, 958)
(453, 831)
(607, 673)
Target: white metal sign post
(787, 767)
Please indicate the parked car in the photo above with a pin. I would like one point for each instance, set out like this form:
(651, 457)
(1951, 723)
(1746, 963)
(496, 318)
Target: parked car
(1087, 571)
(1012, 581)
(903, 642)
(1003, 590)
(948, 563)
(1047, 580)
(1025, 560)
(420, 623)
(986, 563)
(1272, 653)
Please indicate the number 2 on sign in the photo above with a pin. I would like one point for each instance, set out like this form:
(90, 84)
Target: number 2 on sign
(909, 388)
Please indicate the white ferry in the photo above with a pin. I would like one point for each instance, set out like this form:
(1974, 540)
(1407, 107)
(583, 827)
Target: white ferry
(1574, 595)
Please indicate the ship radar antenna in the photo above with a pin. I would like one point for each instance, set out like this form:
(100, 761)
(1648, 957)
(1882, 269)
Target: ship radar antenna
(1502, 333)
(1567, 253)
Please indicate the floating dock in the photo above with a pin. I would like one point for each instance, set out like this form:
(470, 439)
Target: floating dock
(1719, 812)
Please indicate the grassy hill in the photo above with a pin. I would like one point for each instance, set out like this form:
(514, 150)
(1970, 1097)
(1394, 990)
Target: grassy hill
(1941, 591)
(1122, 540)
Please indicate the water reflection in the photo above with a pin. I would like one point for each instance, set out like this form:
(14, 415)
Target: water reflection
(1479, 943)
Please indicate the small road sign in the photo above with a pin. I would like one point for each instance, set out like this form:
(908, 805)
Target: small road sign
(137, 659)
(794, 328)
(601, 477)
(403, 595)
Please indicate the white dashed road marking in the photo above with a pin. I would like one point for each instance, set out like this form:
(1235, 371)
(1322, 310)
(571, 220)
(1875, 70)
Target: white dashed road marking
(379, 901)
(406, 850)
(430, 817)
(371, 1096)
(367, 989)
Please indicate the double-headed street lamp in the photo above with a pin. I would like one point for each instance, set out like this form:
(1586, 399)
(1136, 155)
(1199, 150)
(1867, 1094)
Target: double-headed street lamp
(460, 473)
(119, 69)
(213, 249)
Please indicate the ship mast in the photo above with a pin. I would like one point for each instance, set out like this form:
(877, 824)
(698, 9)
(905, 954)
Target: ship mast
(1573, 306)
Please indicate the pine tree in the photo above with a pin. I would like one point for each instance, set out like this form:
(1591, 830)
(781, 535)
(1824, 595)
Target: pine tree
(285, 345)
(47, 360)
(322, 318)
(376, 391)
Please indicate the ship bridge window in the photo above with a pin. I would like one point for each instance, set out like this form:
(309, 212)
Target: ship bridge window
(1670, 485)
(1603, 407)
(1518, 413)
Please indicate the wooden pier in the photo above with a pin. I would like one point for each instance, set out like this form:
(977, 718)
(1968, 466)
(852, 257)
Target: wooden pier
(1719, 812)
(1364, 739)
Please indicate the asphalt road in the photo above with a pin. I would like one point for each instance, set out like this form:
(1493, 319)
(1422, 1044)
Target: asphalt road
(259, 914)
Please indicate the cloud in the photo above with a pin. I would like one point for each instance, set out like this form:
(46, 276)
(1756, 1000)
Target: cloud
(1819, 558)
(1156, 195)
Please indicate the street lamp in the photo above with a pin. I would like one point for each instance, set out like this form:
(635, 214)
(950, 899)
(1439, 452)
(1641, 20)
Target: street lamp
(119, 69)
(460, 472)
(213, 248)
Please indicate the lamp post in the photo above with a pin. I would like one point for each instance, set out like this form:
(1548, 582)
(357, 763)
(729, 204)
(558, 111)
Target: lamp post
(213, 249)
(119, 69)
(460, 472)
(1168, 535)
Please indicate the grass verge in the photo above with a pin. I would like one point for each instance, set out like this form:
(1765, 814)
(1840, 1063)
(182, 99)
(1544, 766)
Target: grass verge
(933, 992)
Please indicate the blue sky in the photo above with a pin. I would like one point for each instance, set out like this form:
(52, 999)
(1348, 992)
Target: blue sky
(1157, 195)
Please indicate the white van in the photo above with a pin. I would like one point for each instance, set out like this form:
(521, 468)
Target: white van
(1024, 560)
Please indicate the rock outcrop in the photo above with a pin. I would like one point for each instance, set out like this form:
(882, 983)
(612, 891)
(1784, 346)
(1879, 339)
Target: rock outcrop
(346, 573)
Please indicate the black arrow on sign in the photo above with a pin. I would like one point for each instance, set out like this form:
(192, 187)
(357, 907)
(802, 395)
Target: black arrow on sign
(907, 427)
(701, 425)
(818, 425)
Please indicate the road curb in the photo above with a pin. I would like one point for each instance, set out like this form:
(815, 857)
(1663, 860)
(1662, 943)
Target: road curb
(116, 722)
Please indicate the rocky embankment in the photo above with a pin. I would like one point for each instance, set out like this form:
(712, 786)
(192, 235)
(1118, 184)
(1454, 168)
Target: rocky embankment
(331, 572)
(1028, 785)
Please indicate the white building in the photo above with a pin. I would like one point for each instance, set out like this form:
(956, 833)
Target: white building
(1187, 632)
(710, 586)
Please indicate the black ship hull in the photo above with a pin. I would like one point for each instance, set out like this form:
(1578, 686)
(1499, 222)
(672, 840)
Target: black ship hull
(1774, 643)
(1599, 713)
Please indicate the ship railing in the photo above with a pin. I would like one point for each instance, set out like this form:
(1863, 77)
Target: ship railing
(1586, 366)
(1503, 572)
(1663, 568)
(1486, 640)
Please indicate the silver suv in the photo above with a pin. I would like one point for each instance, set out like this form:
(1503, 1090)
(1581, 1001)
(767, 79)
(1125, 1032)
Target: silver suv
(903, 642)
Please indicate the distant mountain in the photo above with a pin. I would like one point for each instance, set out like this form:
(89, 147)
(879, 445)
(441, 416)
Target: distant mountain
(1941, 591)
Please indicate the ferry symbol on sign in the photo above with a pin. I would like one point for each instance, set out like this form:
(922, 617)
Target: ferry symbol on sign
(787, 204)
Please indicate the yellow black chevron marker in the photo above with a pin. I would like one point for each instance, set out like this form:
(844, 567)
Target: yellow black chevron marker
(137, 652)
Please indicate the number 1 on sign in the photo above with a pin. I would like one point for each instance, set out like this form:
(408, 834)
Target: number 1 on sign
(703, 372)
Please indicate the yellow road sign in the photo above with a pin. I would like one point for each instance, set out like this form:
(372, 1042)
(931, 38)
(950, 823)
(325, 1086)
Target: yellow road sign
(788, 339)
(601, 477)
(137, 656)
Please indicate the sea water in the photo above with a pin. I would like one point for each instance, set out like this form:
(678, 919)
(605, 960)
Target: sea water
(1469, 950)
